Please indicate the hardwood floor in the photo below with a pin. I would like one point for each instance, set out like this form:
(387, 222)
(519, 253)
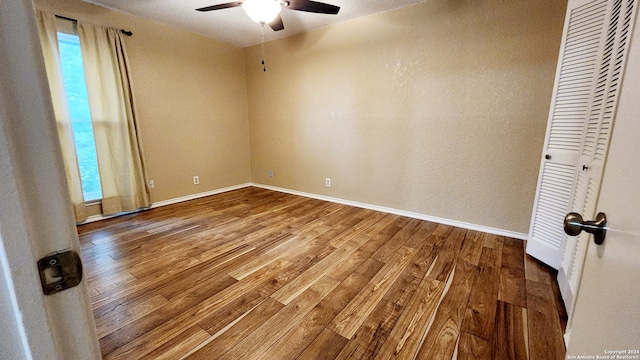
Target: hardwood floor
(258, 274)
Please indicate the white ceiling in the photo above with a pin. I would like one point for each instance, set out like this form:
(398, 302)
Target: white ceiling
(234, 26)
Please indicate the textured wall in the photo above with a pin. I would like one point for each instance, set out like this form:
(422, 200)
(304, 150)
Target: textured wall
(190, 92)
(438, 108)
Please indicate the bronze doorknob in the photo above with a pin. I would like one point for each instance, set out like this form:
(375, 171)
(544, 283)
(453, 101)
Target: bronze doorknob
(574, 224)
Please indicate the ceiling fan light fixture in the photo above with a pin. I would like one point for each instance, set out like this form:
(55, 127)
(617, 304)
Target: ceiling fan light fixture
(262, 11)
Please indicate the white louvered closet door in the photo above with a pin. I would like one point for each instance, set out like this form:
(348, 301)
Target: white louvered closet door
(590, 70)
(575, 78)
(596, 141)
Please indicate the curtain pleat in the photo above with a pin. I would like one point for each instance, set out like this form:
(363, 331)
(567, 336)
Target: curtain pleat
(118, 147)
(49, 41)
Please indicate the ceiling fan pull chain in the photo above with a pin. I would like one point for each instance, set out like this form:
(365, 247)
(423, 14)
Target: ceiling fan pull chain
(264, 67)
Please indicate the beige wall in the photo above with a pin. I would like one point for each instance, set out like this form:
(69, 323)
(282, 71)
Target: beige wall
(438, 108)
(190, 92)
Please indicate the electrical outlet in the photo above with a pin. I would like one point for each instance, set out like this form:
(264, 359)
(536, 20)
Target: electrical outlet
(327, 182)
(196, 180)
(270, 173)
(152, 184)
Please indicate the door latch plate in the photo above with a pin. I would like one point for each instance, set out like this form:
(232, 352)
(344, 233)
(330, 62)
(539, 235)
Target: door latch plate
(60, 271)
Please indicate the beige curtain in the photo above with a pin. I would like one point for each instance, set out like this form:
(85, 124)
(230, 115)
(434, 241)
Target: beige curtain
(49, 42)
(120, 163)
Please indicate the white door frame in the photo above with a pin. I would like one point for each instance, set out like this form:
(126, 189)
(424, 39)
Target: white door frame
(35, 214)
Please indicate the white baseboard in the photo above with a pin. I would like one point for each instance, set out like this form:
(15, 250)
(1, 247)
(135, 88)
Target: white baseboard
(439, 220)
(198, 195)
(154, 205)
(94, 218)
(460, 224)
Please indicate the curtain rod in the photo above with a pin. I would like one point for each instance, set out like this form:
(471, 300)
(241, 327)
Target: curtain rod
(128, 33)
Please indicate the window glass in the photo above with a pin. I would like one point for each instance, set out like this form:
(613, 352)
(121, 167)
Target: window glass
(76, 89)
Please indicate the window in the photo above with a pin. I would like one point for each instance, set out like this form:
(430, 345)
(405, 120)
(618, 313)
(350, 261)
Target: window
(76, 89)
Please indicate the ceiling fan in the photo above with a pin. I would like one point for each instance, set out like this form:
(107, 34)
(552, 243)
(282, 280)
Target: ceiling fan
(268, 11)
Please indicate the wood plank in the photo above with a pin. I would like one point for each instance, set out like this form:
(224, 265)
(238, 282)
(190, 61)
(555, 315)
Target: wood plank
(473, 348)
(174, 293)
(344, 269)
(479, 318)
(106, 283)
(294, 288)
(119, 294)
(537, 271)
(448, 251)
(289, 243)
(410, 279)
(371, 336)
(343, 218)
(311, 243)
(494, 241)
(408, 333)
(326, 346)
(137, 331)
(511, 340)
(423, 232)
(472, 247)
(180, 345)
(386, 251)
(512, 276)
(442, 231)
(289, 273)
(218, 320)
(121, 316)
(371, 225)
(543, 320)
(562, 311)
(378, 236)
(159, 327)
(230, 335)
(351, 318)
(341, 230)
(294, 341)
(441, 339)
(270, 331)
(146, 249)
(227, 251)
(491, 257)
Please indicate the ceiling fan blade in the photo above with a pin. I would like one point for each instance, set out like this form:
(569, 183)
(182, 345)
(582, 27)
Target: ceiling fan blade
(312, 6)
(220, 6)
(277, 24)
